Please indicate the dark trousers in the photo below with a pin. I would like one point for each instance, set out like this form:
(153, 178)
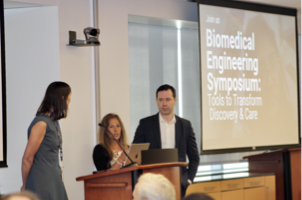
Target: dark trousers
(183, 191)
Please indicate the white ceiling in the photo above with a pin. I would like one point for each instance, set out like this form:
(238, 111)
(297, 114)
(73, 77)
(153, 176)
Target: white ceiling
(284, 3)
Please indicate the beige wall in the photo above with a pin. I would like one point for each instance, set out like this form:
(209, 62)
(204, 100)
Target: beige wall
(28, 73)
(74, 66)
(299, 22)
(114, 65)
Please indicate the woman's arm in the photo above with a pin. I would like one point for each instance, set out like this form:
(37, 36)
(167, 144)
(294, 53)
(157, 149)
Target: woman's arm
(120, 160)
(100, 158)
(37, 134)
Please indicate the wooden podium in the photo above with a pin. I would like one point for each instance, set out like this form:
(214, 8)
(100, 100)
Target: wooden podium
(286, 165)
(119, 184)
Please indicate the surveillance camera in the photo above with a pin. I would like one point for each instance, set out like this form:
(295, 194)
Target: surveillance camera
(92, 35)
(94, 32)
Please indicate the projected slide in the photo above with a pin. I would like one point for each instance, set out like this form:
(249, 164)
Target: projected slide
(248, 78)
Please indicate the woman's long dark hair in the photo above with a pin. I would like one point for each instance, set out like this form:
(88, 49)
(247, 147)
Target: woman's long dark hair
(54, 102)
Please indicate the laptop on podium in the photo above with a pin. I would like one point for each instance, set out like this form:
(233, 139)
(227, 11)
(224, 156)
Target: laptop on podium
(155, 156)
(135, 152)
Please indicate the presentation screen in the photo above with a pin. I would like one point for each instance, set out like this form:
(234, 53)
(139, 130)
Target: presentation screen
(3, 147)
(249, 76)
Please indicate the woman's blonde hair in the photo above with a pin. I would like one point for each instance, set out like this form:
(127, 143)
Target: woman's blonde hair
(105, 140)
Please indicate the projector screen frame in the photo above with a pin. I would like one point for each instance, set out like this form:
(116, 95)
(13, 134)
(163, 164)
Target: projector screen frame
(265, 9)
(3, 163)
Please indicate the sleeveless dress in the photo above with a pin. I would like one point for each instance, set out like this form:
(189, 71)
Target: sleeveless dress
(45, 176)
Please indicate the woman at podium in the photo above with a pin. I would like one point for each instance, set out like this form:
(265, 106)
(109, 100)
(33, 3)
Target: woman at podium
(108, 154)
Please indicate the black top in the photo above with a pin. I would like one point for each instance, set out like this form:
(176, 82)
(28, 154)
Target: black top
(101, 158)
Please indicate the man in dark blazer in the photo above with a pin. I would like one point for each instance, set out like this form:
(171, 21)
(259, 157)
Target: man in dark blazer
(166, 130)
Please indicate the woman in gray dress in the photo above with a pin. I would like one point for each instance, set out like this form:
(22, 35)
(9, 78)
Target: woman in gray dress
(41, 172)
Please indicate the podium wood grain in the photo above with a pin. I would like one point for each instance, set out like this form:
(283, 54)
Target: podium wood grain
(277, 162)
(171, 173)
(295, 164)
(117, 184)
(113, 187)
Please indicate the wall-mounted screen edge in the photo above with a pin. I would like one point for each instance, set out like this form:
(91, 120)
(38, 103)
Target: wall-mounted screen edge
(3, 124)
(249, 77)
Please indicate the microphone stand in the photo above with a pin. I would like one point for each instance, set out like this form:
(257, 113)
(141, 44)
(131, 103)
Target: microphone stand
(132, 162)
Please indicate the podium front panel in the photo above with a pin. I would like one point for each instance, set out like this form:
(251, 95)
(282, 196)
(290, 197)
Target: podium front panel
(114, 187)
(119, 184)
(172, 174)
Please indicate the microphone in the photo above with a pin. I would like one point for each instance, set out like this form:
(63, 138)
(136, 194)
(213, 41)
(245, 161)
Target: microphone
(132, 162)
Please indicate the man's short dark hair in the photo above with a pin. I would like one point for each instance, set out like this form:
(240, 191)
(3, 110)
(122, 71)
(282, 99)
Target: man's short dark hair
(165, 88)
(198, 196)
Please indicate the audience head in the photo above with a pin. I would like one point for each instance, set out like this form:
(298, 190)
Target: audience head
(165, 88)
(198, 196)
(56, 100)
(153, 187)
(25, 195)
